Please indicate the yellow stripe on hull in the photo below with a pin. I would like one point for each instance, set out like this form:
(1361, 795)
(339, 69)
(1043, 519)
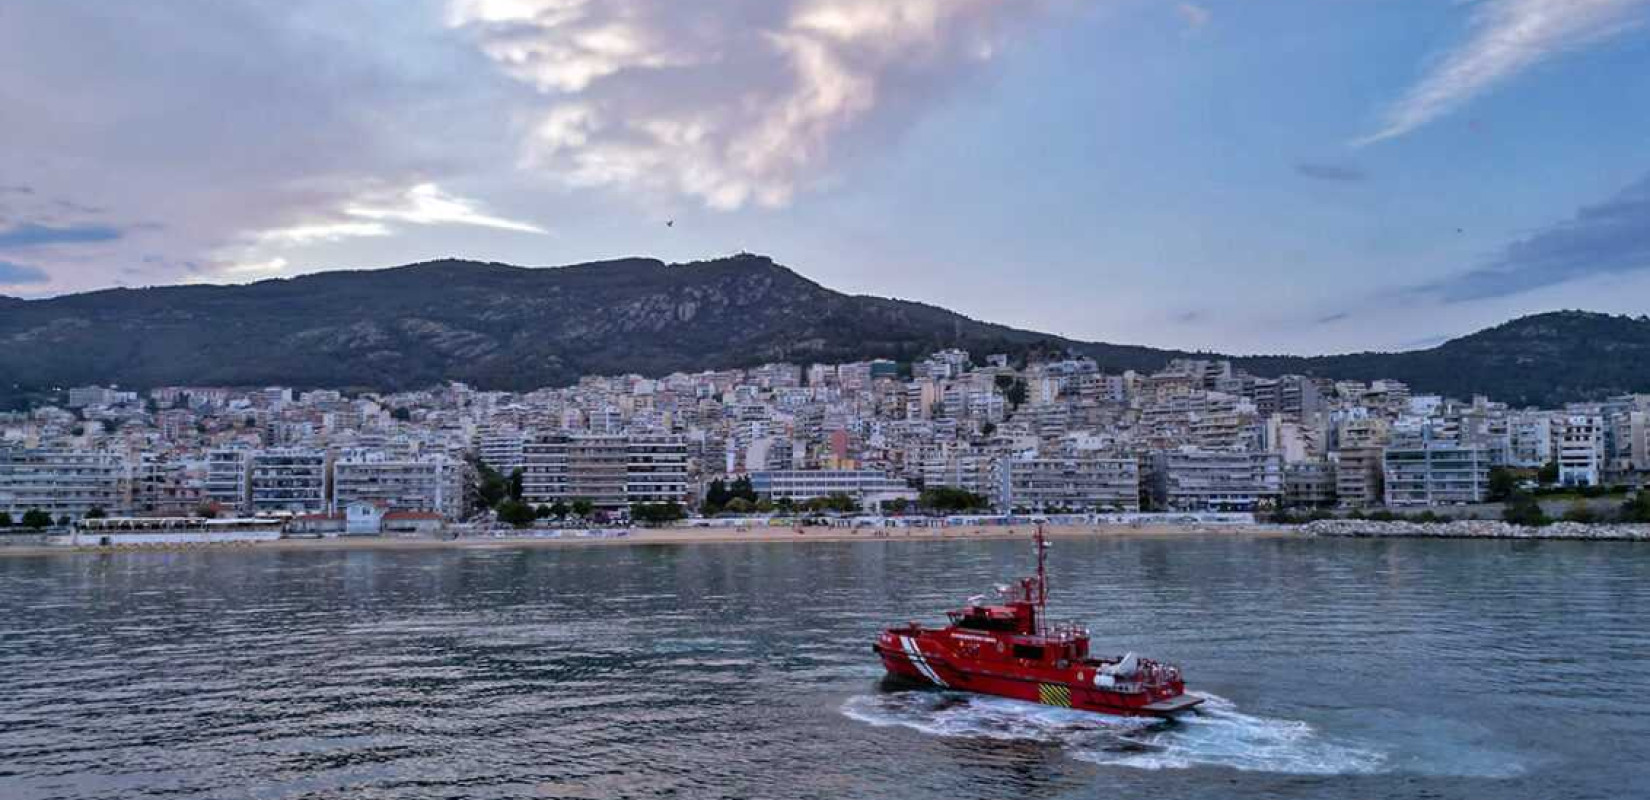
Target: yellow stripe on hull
(1051, 694)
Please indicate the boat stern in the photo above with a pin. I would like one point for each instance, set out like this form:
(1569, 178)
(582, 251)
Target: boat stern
(1171, 707)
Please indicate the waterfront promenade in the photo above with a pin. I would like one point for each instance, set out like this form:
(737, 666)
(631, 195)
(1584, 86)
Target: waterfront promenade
(680, 535)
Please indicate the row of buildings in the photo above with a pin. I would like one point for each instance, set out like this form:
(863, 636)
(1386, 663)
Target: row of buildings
(1053, 434)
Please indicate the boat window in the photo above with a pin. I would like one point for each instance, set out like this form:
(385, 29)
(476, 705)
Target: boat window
(984, 623)
(1029, 652)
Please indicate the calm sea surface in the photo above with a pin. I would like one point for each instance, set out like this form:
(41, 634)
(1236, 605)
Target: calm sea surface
(1338, 669)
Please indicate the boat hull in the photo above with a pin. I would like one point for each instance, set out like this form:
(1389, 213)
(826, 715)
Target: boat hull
(910, 664)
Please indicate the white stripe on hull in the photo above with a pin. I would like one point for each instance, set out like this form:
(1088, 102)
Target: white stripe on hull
(920, 662)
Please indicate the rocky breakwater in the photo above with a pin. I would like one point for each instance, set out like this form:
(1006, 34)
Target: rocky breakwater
(1476, 529)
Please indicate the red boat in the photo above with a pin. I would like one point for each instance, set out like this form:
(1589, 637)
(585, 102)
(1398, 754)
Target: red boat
(1010, 650)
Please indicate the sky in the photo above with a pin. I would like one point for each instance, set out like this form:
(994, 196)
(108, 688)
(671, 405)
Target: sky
(1288, 176)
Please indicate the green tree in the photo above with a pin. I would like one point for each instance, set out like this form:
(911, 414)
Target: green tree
(97, 512)
(741, 488)
(738, 505)
(1637, 509)
(541, 511)
(515, 512)
(559, 510)
(841, 503)
(5, 519)
(1013, 389)
(401, 414)
(1548, 474)
(37, 519)
(898, 505)
(785, 505)
(1579, 511)
(950, 499)
(64, 520)
(583, 508)
(1523, 509)
(658, 513)
(1503, 482)
(517, 477)
(716, 494)
(491, 487)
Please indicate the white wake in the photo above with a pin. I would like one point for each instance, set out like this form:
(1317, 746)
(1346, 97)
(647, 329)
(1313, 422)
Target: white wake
(1217, 735)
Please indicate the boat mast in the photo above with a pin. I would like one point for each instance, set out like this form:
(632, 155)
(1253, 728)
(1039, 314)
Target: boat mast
(1042, 577)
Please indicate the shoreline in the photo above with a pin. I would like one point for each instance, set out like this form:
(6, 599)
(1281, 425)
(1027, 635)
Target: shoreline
(670, 536)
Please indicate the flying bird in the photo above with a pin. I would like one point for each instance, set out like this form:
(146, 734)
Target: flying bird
(670, 223)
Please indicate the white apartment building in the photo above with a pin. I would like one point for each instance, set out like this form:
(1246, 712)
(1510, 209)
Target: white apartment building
(1087, 483)
(431, 483)
(1578, 444)
(868, 486)
(287, 481)
(227, 480)
(610, 471)
(61, 482)
(1530, 439)
(1436, 473)
(656, 469)
(966, 470)
(1631, 456)
(501, 449)
(1188, 479)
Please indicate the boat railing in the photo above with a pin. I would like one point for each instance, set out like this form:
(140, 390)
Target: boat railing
(1067, 630)
(1149, 676)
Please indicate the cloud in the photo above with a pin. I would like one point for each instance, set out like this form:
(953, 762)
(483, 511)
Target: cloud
(1195, 16)
(427, 204)
(30, 234)
(12, 274)
(1331, 172)
(1602, 239)
(1506, 38)
(737, 103)
(369, 215)
(320, 232)
(233, 116)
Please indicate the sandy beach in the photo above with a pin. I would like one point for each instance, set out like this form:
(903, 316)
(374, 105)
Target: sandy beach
(675, 536)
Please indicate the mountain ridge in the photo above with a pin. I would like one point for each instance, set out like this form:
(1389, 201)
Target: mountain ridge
(504, 326)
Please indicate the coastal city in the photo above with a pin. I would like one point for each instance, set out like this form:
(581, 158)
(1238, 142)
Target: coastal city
(953, 433)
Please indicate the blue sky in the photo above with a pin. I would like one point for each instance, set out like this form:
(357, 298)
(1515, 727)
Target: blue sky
(1292, 176)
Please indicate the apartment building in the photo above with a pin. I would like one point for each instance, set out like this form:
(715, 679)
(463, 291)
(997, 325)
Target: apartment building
(869, 486)
(1189, 479)
(287, 481)
(1430, 473)
(1578, 445)
(431, 483)
(1088, 483)
(1358, 477)
(228, 480)
(610, 471)
(61, 482)
(1309, 484)
(1530, 439)
(656, 469)
(166, 488)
